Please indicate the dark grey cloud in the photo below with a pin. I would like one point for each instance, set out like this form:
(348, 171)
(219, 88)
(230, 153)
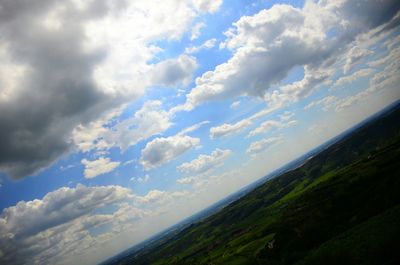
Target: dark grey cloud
(367, 14)
(65, 67)
(56, 93)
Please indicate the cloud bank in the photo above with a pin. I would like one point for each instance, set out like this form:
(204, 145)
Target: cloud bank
(269, 44)
(64, 64)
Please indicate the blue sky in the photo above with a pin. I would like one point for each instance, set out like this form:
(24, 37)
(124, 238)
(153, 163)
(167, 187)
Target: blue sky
(120, 118)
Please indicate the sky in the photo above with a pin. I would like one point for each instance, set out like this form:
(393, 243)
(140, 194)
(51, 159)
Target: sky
(120, 118)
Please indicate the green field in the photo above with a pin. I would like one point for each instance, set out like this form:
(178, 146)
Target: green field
(341, 207)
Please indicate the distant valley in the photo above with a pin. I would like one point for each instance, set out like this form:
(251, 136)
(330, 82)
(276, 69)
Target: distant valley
(341, 206)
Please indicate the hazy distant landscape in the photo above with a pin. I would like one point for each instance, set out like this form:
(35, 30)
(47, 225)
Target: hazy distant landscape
(341, 207)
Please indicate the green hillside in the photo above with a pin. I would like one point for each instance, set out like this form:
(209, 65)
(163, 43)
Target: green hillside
(341, 206)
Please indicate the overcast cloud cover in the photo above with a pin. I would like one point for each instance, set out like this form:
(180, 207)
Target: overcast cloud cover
(119, 118)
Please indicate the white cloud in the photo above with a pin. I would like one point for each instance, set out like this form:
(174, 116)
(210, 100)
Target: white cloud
(57, 229)
(353, 77)
(392, 43)
(388, 78)
(327, 103)
(144, 179)
(128, 162)
(50, 229)
(104, 65)
(204, 163)
(228, 129)
(100, 166)
(272, 124)
(148, 121)
(173, 72)
(196, 30)
(193, 128)
(265, 126)
(269, 44)
(383, 61)
(210, 6)
(262, 145)
(235, 104)
(284, 122)
(208, 44)
(125, 67)
(160, 197)
(313, 78)
(203, 184)
(89, 136)
(354, 56)
(259, 42)
(163, 150)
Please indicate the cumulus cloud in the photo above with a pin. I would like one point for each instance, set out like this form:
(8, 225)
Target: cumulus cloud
(228, 129)
(312, 79)
(210, 6)
(69, 62)
(100, 166)
(173, 72)
(262, 145)
(204, 163)
(57, 228)
(267, 45)
(389, 77)
(149, 120)
(47, 230)
(162, 150)
(54, 91)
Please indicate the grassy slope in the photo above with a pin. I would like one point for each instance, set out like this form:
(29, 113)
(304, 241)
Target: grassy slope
(374, 241)
(336, 200)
